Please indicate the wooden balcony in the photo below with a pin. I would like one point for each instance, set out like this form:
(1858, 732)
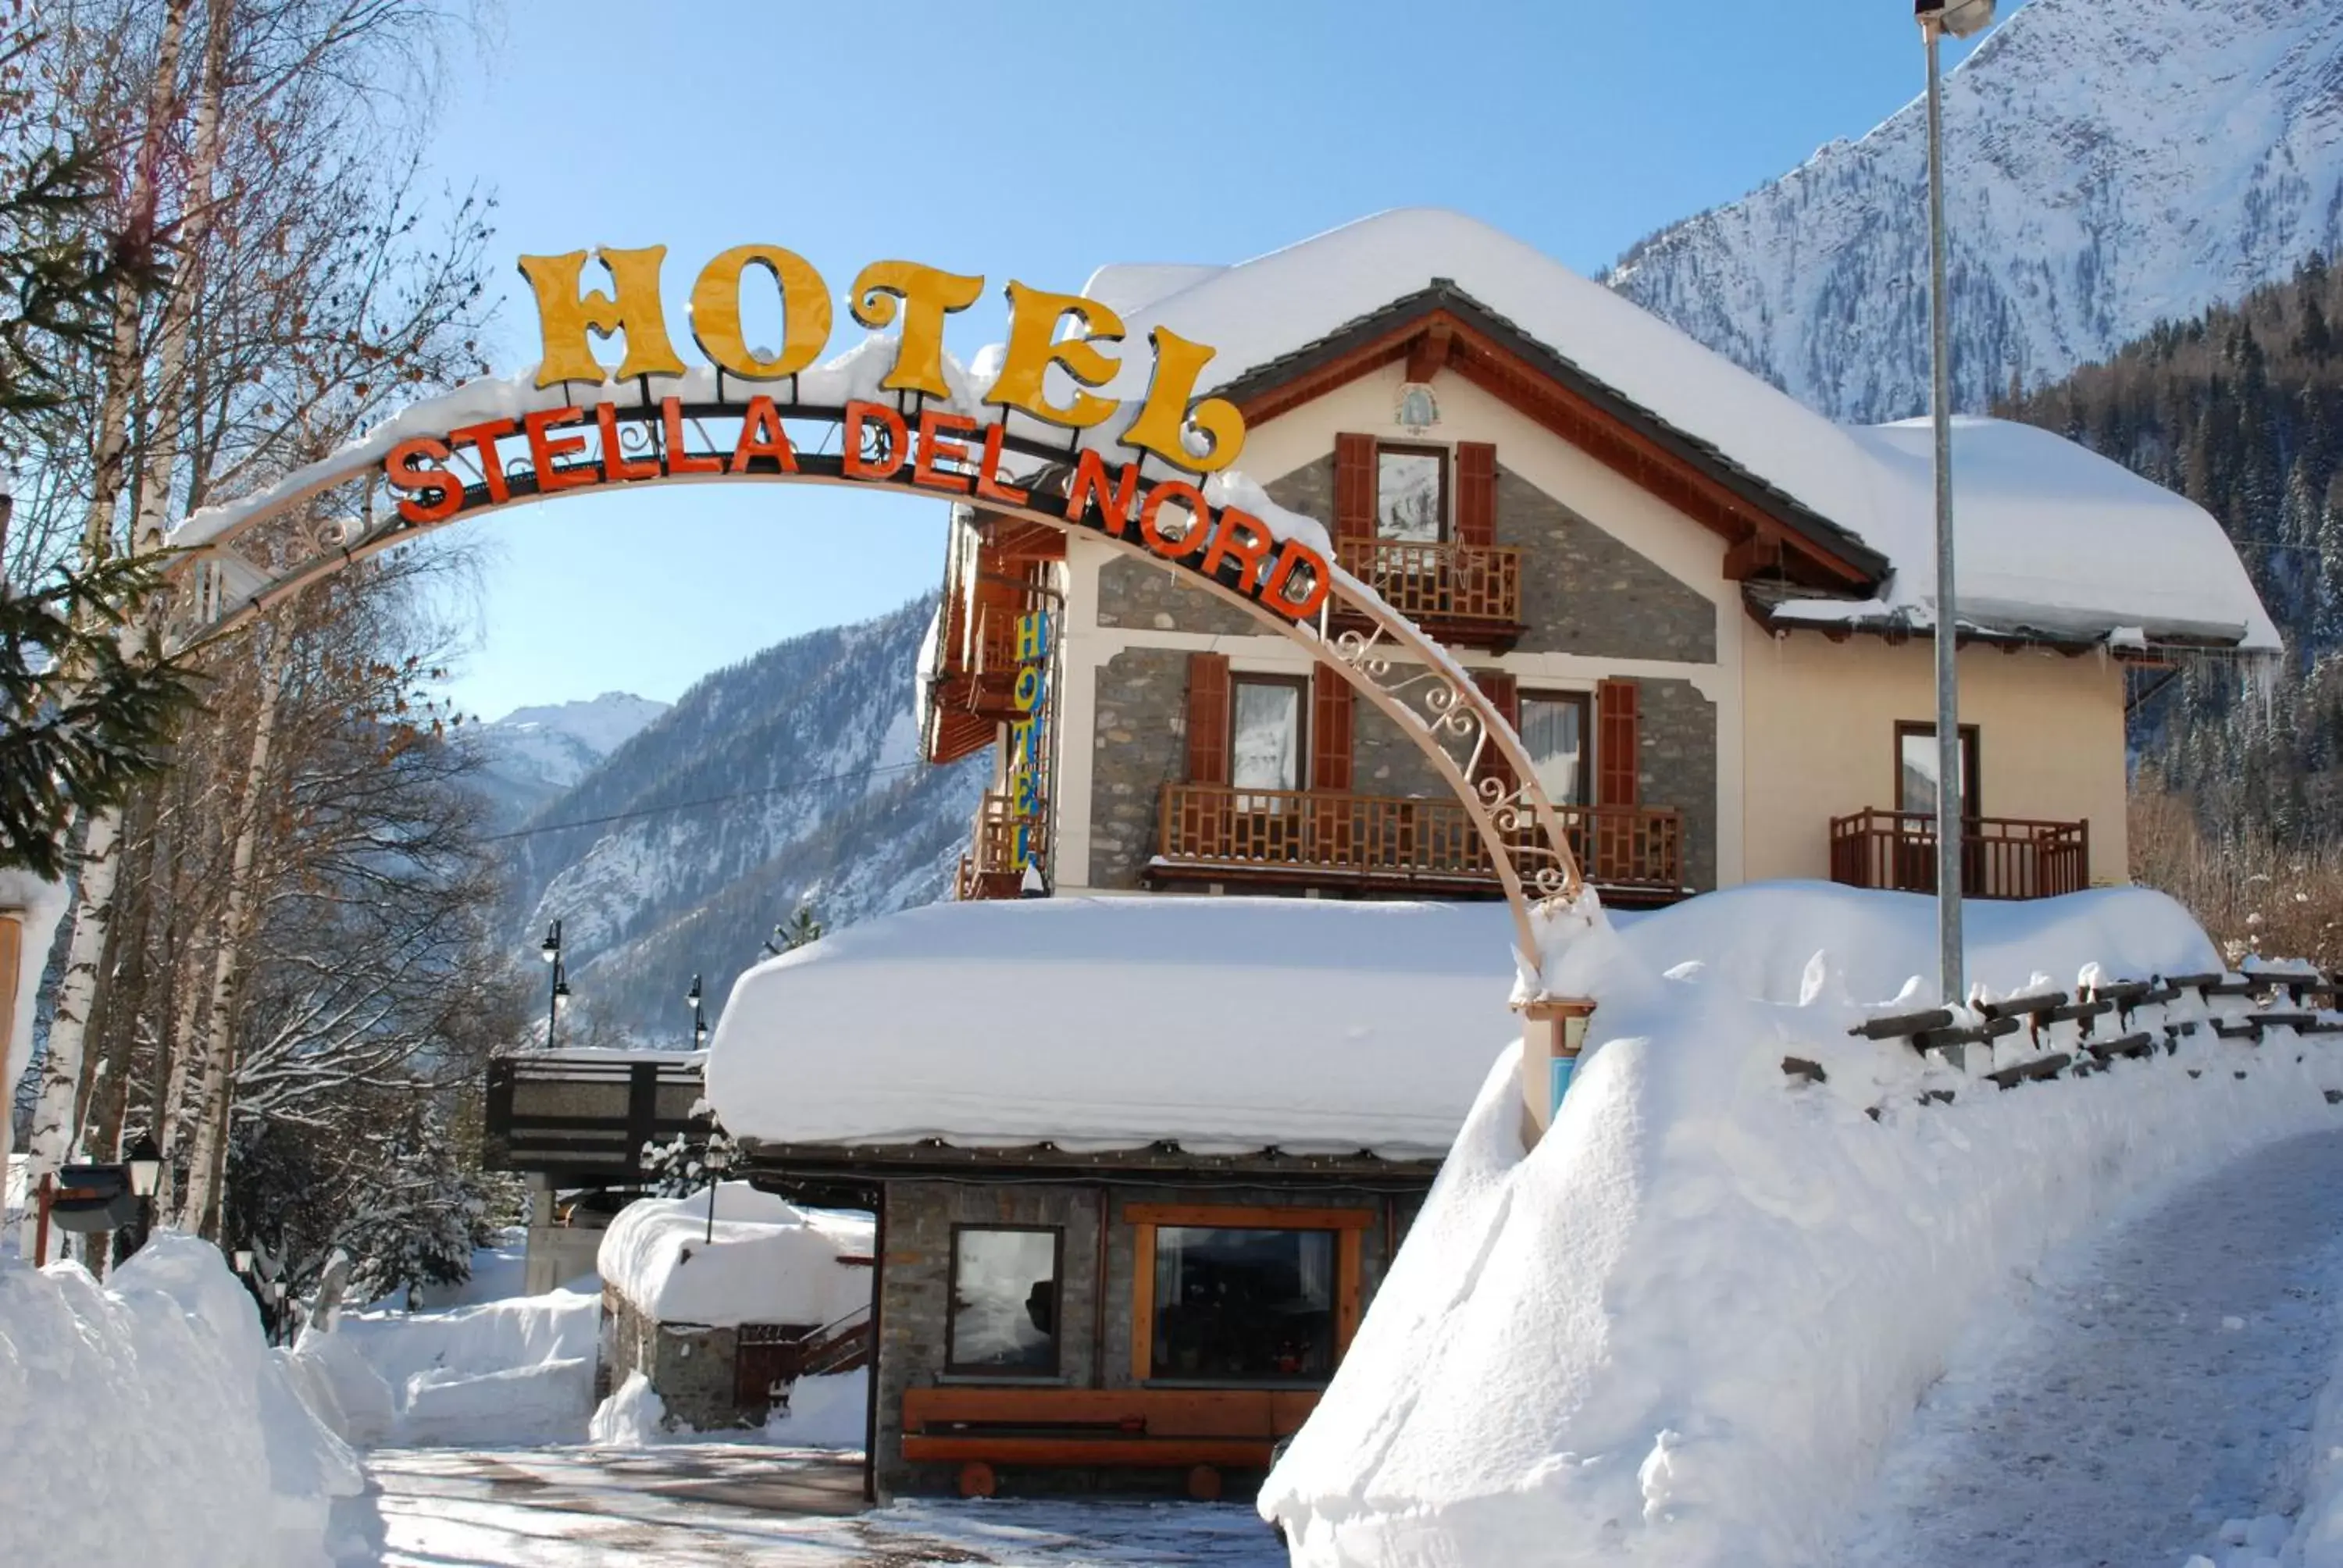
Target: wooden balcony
(2001, 856)
(990, 869)
(1458, 593)
(1383, 843)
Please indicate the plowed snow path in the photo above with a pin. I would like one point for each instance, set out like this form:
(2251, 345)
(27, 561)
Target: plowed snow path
(2154, 1385)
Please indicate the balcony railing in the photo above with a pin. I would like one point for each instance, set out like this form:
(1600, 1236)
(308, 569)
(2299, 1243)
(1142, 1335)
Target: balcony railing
(2001, 856)
(990, 869)
(1469, 591)
(1383, 841)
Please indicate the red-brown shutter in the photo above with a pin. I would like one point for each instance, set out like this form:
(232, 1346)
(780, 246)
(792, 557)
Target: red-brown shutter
(1354, 486)
(1618, 744)
(1476, 494)
(1504, 695)
(1208, 718)
(1330, 731)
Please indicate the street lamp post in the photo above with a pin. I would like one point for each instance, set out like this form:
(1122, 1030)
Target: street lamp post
(145, 1163)
(1938, 18)
(692, 999)
(558, 997)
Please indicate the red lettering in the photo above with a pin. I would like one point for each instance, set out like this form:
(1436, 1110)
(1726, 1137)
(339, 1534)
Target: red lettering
(934, 426)
(761, 436)
(987, 484)
(482, 439)
(416, 466)
(614, 454)
(1273, 593)
(543, 451)
(1088, 487)
(1241, 536)
(1188, 540)
(852, 462)
(680, 459)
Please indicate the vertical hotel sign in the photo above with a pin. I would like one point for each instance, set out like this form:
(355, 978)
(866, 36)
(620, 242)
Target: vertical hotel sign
(1026, 761)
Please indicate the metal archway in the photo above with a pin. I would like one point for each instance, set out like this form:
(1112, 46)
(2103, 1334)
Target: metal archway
(1408, 676)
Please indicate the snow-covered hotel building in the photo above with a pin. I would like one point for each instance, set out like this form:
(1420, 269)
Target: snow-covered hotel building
(1140, 1164)
(1708, 608)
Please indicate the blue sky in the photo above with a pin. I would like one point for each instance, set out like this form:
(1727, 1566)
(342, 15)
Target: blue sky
(1038, 140)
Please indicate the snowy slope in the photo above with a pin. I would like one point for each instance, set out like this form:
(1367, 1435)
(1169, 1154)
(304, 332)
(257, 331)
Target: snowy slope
(792, 776)
(533, 754)
(2113, 163)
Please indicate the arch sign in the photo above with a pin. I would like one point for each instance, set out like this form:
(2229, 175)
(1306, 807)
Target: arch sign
(935, 450)
(894, 412)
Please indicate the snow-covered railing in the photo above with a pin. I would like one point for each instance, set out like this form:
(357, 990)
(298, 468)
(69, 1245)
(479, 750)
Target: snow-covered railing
(2049, 1035)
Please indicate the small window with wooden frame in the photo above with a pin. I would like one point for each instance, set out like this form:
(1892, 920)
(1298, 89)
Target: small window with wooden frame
(1003, 1295)
(1917, 768)
(1411, 493)
(1268, 733)
(1226, 1295)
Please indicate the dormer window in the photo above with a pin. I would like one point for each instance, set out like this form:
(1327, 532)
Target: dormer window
(1411, 493)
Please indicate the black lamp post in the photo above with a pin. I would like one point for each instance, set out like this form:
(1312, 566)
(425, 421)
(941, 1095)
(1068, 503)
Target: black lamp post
(698, 1015)
(145, 1163)
(550, 951)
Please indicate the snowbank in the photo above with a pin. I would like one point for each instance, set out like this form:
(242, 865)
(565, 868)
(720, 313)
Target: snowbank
(829, 1412)
(1683, 1328)
(1227, 1024)
(770, 1261)
(514, 1371)
(153, 1424)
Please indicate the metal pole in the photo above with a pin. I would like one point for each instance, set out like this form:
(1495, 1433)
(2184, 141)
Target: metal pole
(1951, 989)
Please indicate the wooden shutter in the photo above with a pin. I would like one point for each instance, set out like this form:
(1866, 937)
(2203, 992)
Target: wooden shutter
(1618, 744)
(1504, 694)
(1330, 731)
(1354, 487)
(1208, 718)
(1476, 494)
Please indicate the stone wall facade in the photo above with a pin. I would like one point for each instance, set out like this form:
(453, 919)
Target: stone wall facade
(1095, 1323)
(1139, 745)
(1585, 591)
(693, 1367)
(1677, 733)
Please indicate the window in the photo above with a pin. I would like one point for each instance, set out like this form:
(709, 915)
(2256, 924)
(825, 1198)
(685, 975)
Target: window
(1244, 1305)
(1412, 493)
(1916, 768)
(1555, 731)
(1265, 736)
(1004, 1301)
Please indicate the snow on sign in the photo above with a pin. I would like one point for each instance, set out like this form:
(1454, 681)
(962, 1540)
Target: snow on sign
(576, 447)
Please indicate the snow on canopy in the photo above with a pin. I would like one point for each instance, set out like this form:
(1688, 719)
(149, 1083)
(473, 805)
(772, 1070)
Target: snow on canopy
(2048, 534)
(1227, 1025)
(1684, 1326)
(770, 1261)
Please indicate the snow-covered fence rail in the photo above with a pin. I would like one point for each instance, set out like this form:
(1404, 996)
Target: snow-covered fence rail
(2063, 1034)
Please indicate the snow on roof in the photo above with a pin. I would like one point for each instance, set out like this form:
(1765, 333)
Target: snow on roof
(770, 1263)
(1227, 1025)
(1127, 287)
(2048, 535)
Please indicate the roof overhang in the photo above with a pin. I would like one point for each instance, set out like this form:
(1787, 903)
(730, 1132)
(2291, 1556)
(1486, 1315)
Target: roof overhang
(1443, 327)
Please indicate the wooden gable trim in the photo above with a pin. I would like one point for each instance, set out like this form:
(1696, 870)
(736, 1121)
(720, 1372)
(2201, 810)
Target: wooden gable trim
(1496, 356)
(1428, 350)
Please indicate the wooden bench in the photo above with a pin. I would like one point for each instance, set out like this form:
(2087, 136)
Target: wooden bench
(1205, 1430)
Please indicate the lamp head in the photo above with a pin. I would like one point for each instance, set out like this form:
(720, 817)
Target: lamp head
(244, 1260)
(691, 997)
(145, 1163)
(1959, 18)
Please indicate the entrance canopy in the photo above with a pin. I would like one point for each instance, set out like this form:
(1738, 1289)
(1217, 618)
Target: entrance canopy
(1226, 1025)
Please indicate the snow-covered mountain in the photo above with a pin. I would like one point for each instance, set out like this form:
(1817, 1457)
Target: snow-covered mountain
(791, 777)
(2111, 163)
(533, 754)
